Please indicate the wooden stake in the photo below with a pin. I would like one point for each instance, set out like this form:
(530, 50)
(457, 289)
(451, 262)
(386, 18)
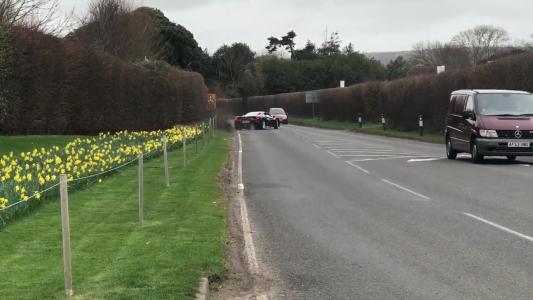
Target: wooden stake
(196, 138)
(184, 139)
(65, 226)
(165, 160)
(141, 189)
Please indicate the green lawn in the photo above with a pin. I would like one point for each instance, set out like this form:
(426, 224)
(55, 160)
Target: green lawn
(113, 256)
(18, 144)
(375, 129)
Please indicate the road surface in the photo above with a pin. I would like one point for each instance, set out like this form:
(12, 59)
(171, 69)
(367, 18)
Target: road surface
(337, 215)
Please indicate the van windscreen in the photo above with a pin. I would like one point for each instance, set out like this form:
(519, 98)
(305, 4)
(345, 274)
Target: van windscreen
(505, 104)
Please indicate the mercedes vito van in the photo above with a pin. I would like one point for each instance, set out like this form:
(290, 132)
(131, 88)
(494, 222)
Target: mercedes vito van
(489, 123)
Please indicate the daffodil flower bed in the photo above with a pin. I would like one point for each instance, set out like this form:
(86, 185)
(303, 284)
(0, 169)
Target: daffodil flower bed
(28, 175)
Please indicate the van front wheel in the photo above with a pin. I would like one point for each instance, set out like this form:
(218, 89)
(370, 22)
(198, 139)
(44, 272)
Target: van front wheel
(450, 152)
(476, 157)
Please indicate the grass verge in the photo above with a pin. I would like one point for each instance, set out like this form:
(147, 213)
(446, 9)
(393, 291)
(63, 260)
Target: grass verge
(113, 257)
(17, 144)
(374, 129)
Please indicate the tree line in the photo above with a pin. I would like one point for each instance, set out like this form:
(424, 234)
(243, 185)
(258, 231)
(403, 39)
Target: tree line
(401, 101)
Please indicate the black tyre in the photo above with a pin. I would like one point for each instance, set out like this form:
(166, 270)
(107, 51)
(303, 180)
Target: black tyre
(276, 124)
(511, 157)
(476, 157)
(450, 152)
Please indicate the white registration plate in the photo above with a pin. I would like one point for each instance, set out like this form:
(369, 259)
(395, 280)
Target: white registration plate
(245, 121)
(518, 144)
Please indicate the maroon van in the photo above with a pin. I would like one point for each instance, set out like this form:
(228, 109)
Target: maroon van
(490, 123)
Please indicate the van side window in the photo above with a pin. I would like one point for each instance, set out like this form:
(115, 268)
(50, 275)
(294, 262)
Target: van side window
(452, 104)
(469, 104)
(459, 106)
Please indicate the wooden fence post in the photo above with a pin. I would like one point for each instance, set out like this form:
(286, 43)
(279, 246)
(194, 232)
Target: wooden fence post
(65, 226)
(196, 138)
(141, 189)
(184, 141)
(165, 161)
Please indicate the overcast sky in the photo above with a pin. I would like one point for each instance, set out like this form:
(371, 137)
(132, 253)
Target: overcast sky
(371, 25)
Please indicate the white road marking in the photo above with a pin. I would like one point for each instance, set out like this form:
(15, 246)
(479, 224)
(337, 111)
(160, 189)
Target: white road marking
(358, 167)
(249, 247)
(333, 154)
(406, 189)
(316, 146)
(525, 165)
(424, 159)
(383, 158)
(369, 155)
(518, 234)
(361, 150)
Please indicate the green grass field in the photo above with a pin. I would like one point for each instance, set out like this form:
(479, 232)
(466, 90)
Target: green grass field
(17, 144)
(375, 129)
(113, 256)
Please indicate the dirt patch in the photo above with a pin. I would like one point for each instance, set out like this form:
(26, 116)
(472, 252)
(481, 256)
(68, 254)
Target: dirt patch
(238, 282)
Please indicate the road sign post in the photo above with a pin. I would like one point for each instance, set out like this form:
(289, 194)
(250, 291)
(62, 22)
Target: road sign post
(312, 98)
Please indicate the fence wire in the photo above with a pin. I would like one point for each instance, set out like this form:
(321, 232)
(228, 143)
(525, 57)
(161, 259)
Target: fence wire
(147, 155)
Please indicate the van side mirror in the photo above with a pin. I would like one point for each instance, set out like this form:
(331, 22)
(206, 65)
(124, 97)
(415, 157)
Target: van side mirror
(469, 115)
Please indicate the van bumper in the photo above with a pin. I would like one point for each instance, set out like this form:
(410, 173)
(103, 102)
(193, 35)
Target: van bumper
(499, 147)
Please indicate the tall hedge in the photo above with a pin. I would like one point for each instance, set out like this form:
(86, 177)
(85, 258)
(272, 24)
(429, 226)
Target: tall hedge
(54, 86)
(401, 101)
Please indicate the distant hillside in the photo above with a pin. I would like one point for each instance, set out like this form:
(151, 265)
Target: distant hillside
(386, 57)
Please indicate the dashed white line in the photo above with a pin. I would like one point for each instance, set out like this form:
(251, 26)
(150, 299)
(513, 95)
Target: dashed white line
(405, 189)
(424, 159)
(357, 167)
(516, 233)
(382, 158)
(369, 155)
(316, 146)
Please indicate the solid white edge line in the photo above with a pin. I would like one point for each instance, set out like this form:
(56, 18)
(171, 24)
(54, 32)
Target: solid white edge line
(406, 189)
(516, 233)
(249, 247)
(358, 167)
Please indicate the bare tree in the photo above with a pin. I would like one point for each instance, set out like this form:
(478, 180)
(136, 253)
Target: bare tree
(482, 41)
(432, 54)
(114, 27)
(33, 14)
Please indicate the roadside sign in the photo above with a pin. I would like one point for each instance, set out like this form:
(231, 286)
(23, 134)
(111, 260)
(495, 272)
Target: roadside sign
(342, 83)
(212, 102)
(311, 97)
(441, 69)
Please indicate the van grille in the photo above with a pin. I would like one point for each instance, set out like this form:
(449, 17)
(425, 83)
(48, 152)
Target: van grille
(510, 134)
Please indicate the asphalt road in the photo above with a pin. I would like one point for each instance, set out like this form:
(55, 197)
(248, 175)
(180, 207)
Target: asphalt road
(337, 215)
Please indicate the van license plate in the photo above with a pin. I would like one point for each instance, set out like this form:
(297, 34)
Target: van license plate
(518, 145)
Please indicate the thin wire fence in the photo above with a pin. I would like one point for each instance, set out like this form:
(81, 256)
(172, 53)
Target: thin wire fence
(204, 128)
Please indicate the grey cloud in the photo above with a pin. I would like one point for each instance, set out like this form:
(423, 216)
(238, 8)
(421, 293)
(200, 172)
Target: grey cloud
(372, 25)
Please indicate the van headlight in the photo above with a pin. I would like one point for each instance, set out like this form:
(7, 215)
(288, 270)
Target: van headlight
(488, 133)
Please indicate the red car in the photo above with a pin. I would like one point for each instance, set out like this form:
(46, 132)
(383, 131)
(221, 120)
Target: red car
(280, 114)
(255, 119)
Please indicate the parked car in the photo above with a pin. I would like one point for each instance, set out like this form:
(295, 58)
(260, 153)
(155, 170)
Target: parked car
(489, 123)
(255, 119)
(280, 114)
